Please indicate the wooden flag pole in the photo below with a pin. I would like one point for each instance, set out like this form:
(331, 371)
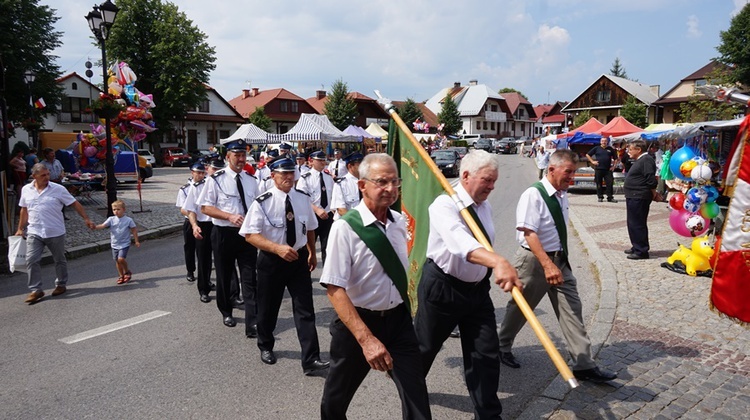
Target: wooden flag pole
(539, 330)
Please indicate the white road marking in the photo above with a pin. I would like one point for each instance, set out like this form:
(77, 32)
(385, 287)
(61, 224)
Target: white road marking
(113, 327)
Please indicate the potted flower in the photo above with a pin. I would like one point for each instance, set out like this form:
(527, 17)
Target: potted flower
(106, 106)
(31, 124)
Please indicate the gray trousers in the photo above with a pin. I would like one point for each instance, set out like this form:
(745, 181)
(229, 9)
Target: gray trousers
(565, 301)
(34, 247)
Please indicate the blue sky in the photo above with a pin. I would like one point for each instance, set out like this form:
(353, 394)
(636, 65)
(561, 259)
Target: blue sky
(550, 50)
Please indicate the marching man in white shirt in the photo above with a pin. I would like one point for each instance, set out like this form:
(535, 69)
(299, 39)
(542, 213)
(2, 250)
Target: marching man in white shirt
(346, 193)
(337, 167)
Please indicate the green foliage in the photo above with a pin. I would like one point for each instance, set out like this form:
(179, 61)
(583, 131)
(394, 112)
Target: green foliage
(410, 112)
(698, 108)
(27, 41)
(450, 117)
(734, 47)
(617, 69)
(260, 119)
(581, 118)
(634, 111)
(511, 90)
(168, 53)
(339, 108)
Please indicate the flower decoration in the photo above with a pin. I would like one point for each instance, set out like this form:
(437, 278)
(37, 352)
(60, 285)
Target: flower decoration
(107, 106)
(31, 123)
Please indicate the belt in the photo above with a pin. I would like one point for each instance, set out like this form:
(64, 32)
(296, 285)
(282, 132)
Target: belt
(455, 281)
(554, 254)
(380, 314)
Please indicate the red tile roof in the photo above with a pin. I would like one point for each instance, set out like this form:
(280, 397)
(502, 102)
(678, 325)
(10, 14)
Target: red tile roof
(246, 103)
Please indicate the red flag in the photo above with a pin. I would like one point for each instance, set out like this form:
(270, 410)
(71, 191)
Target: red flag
(39, 104)
(730, 288)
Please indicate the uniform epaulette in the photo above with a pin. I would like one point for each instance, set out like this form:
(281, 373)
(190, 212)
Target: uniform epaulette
(266, 178)
(185, 186)
(301, 192)
(263, 197)
(200, 182)
(338, 180)
(251, 175)
(218, 173)
(306, 174)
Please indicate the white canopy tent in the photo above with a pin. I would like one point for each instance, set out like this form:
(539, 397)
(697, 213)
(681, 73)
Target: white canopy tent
(314, 127)
(251, 133)
(377, 131)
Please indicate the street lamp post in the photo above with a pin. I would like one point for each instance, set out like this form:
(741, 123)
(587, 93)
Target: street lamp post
(100, 19)
(30, 76)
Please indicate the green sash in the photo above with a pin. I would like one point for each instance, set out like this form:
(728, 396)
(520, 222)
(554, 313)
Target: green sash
(381, 247)
(557, 215)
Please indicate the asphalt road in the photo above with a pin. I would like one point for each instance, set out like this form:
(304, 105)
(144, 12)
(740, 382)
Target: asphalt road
(151, 349)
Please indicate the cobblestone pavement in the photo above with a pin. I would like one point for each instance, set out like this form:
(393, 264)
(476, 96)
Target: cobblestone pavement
(675, 357)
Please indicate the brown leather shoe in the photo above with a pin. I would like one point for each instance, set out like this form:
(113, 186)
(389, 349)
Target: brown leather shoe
(34, 297)
(59, 290)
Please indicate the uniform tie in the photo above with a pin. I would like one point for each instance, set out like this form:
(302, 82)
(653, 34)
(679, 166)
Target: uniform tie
(241, 190)
(291, 232)
(336, 172)
(323, 194)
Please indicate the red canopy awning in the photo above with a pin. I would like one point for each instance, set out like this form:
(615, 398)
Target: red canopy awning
(588, 127)
(619, 126)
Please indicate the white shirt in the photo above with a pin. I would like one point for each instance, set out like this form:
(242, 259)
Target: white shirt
(450, 240)
(194, 191)
(267, 216)
(55, 168)
(182, 194)
(345, 194)
(45, 209)
(341, 165)
(262, 173)
(532, 213)
(221, 192)
(309, 183)
(357, 269)
(265, 184)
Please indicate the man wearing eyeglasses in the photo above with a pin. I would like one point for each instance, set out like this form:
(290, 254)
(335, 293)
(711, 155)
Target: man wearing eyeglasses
(455, 284)
(281, 224)
(366, 284)
(318, 184)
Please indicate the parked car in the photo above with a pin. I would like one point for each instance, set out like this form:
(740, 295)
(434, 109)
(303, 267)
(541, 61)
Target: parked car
(447, 161)
(506, 145)
(583, 179)
(470, 139)
(462, 151)
(201, 154)
(484, 144)
(147, 155)
(175, 156)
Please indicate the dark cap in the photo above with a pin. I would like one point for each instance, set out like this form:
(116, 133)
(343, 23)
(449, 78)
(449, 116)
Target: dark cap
(319, 155)
(285, 146)
(217, 164)
(272, 153)
(301, 156)
(354, 158)
(283, 164)
(198, 167)
(236, 146)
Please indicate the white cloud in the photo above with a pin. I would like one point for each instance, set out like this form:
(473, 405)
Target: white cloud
(693, 31)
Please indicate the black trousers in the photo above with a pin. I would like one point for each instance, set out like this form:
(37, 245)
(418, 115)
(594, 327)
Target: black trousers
(637, 218)
(349, 366)
(324, 228)
(205, 259)
(231, 250)
(189, 246)
(444, 302)
(275, 275)
(607, 177)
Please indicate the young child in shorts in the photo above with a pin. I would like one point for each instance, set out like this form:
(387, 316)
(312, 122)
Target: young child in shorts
(120, 228)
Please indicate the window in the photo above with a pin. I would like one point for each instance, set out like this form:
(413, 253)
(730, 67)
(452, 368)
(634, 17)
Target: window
(203, 107)
(211, 136)
(72, 108)
(223, 134)
(74, 86)
(603, 96)
(479, 125)
(492, 126)
(493, 108)
(295, 107)
(283, 106)
(484, 125)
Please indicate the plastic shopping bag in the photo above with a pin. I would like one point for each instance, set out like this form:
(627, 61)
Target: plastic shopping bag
(17, 253)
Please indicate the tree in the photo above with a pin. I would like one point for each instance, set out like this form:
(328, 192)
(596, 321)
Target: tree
(511, 90)
(339, 108)
(260, 119)
(410, 112)
(698, 108)
(634, 111)
(450, 117)
(27, 41)
(733, 47)
(617, 69)
(581, 118)
(167, 52)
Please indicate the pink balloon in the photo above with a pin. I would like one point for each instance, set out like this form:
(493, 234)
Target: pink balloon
(89, 151)
(677, 222)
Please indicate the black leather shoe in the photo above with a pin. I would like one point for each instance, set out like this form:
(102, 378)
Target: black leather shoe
(629, 251)
(611, 200)
(267, 357)
(509, 360)
(594, 375)
(213, 286)
(229, 321)
(205, 298)
(601, 200)
(455, 333)
(315, 366)
(190, 277)
(635, 256)
(238, 304)
(251, 331)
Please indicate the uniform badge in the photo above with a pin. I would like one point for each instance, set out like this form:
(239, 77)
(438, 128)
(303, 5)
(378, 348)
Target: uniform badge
(290, 216)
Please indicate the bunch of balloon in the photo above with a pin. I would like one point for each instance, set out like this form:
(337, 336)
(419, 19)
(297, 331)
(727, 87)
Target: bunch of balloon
(90, 150)
(692, 212)
(136, 121)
